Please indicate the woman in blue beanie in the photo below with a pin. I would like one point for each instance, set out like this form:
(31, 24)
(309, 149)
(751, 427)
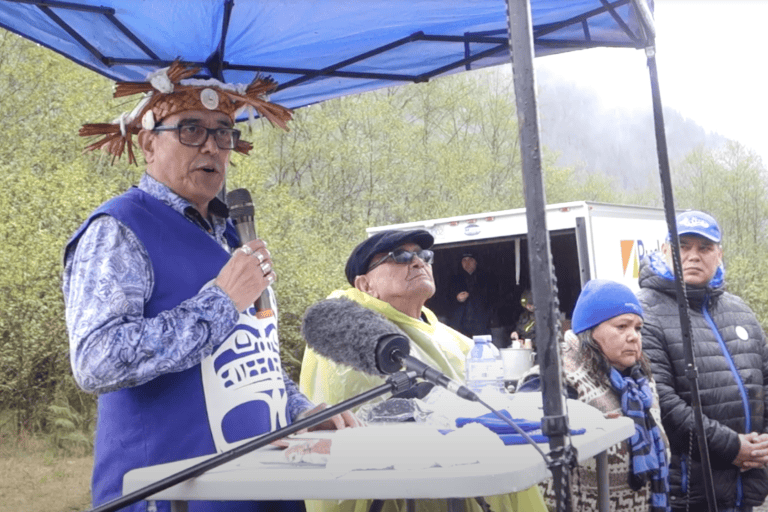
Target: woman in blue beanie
(604, 366)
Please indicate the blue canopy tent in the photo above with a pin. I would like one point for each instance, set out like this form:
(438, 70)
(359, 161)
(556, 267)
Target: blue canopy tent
(321, 49)
(315, 49)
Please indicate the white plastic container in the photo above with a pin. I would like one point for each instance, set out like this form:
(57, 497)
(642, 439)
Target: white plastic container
(516, 361)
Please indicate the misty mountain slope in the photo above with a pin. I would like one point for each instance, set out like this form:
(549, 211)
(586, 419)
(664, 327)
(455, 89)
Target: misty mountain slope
(616, 141)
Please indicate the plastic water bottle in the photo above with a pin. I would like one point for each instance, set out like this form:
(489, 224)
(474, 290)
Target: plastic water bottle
(484, 367)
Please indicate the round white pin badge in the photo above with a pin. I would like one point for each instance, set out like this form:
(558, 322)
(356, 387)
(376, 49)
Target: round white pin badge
(209, 98)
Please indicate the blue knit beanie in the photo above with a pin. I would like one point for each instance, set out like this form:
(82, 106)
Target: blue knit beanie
(601, 300)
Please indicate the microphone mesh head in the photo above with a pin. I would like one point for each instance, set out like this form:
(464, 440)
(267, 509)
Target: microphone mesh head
(240, 204)
(347, 333)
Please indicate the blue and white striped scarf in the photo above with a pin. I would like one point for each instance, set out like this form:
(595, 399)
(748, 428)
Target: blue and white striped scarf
(648, 455)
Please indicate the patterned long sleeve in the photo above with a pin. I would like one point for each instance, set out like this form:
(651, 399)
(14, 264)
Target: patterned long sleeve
(107, 279)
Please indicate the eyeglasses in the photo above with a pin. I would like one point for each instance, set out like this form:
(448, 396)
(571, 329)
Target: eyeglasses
(195, 135)
(402, 256)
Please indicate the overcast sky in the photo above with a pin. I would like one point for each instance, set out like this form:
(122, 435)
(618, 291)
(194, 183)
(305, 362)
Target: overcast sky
(712, 60)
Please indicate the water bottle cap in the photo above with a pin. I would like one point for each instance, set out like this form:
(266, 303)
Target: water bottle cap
(482, 338)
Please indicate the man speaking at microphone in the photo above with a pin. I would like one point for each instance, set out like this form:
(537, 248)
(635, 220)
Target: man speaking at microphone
(391, 273)
(160, 307)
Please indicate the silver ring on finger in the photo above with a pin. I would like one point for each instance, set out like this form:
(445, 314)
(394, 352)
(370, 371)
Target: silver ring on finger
(246, 250)
(260, 256)
(266, 267)
(271, 278)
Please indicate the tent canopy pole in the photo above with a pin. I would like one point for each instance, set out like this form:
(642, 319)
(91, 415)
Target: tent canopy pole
(682, 304)
(555, 421)
(648, 28)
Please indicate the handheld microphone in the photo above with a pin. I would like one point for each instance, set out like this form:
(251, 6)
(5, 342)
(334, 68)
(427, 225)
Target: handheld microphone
(241, 211)
(348, 333)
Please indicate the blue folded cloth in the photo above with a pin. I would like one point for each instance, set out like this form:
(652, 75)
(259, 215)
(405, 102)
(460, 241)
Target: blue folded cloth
(496, 424)
(508, 433)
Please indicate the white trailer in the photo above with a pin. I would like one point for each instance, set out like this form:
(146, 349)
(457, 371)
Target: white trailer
(588, 241)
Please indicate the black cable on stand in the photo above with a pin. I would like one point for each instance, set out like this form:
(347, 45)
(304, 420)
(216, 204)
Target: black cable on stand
(669, 210)
(396, 383)
(682, 303)
(555, 421)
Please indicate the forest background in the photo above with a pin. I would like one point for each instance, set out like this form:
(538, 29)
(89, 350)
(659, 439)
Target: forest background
(448, 147)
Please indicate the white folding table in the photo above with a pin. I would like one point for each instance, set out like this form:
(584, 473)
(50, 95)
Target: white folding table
(265, 474)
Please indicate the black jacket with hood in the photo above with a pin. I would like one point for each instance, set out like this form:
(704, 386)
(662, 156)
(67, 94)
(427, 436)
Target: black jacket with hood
(732, 361)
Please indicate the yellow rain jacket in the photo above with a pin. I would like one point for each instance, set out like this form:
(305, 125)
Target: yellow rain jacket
(433, 343)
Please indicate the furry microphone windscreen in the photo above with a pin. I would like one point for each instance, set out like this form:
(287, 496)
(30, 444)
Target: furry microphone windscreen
(346, 332)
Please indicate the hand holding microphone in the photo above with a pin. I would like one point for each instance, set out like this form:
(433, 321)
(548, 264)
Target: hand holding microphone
(249, 272)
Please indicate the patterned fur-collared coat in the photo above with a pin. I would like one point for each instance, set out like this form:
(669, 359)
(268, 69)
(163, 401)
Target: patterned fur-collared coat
(584, 376)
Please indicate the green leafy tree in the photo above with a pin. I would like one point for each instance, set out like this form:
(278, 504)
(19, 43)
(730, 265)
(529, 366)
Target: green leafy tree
(47, 187)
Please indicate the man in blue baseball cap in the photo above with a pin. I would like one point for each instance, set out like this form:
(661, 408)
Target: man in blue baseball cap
(700, 253)
(732, 363)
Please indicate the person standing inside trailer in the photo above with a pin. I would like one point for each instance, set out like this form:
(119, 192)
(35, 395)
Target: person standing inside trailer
(472, 298)
(729, 346)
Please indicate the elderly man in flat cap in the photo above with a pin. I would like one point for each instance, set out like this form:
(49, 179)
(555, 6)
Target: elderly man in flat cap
(732, 362)
(391, 273)
(160, 293)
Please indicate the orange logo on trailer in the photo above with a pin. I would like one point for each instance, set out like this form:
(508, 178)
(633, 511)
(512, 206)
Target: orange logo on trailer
(631, 253)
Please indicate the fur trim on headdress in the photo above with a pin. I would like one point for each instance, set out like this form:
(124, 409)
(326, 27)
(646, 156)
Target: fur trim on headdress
(171, 90)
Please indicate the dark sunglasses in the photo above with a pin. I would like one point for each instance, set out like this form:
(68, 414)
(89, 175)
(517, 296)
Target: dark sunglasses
(402, 256)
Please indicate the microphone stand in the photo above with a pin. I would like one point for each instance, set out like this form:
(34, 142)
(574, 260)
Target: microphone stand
(396, 383)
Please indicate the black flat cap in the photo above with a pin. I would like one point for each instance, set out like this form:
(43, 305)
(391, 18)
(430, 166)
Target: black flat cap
(383, 241)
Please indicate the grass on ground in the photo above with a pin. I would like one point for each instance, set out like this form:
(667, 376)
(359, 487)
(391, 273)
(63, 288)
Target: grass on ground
(35, 477)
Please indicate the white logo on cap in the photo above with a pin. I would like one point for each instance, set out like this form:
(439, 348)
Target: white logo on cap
(209, 98)
(692, 222)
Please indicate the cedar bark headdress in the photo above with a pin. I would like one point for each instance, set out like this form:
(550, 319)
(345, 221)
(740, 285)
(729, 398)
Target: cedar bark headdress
(171, 90)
